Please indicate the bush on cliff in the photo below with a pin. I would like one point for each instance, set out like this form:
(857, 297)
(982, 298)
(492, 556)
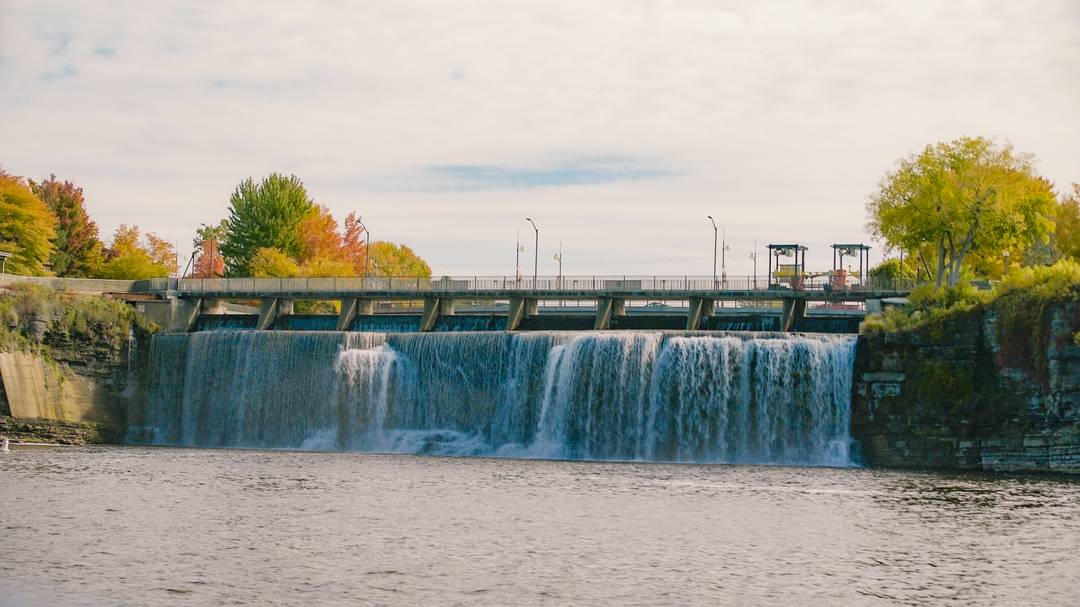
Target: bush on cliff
(1021, 295)
(28, 312)
(927, 305)
(1021, 305)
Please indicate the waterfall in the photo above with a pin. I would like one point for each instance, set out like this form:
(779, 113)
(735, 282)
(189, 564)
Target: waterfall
(625, 395)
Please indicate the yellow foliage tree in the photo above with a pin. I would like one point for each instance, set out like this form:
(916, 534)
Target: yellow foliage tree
(27, 227)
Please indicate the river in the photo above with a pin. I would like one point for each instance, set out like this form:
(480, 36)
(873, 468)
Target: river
(188, 526)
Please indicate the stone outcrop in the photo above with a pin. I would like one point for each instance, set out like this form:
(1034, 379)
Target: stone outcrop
(70, 365)
(963, 394)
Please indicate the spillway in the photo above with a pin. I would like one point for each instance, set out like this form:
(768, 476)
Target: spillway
(625, 395)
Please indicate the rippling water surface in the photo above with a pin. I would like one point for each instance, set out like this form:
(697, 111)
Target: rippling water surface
(157, 526)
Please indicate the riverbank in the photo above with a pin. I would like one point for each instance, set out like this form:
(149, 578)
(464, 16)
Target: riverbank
(70, 365)
(988, 385)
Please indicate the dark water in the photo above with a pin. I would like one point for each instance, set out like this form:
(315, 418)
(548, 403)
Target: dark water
(158, 526)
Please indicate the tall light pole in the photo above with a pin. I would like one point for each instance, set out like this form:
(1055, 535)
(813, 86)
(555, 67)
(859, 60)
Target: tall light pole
(723, 256)
(367, 249)
(754, 257)
(714, 242)
(536, 250)
(517, 257)
(558, 258)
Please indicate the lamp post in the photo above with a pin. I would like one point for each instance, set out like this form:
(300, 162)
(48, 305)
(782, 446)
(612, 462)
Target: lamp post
(367, 248)
(536, 250)
(714, 244)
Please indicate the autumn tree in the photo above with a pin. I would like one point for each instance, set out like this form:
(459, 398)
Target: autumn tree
(389, 259)
(962, 198)
(319, 237)
(27, 227)
(76, 247)
(208, 260)
(268, 262)
(353, 246)
(266, 214)
(132, 257)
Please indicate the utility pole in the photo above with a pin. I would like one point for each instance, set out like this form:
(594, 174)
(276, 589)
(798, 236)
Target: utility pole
(536, 251)
(517, 257)
(558, 258)
(714, 234)
(723, 257)
(754, 257)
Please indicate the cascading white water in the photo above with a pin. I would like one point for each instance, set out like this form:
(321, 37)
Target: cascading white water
(635, 395)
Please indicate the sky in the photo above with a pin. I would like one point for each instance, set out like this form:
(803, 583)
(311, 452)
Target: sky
(617, 126)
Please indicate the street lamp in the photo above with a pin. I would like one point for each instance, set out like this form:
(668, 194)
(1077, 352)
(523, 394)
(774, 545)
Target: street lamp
(714, 242)
(536, 250)
(367, 247)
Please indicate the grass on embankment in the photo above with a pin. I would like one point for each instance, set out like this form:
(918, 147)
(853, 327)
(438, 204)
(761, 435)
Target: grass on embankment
(1022, 306)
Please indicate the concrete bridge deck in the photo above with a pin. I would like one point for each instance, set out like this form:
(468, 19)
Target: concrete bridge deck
(358, 296)
(177, 304)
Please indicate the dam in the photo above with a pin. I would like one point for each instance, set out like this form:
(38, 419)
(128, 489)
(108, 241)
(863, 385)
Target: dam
(680, 396)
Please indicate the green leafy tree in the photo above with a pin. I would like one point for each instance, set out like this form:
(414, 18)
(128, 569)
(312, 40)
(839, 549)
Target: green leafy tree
(962, 198)
(266, 214)
(77, 250)
(27, 227)
(389, 259)
(1067, 225)
(268, 262)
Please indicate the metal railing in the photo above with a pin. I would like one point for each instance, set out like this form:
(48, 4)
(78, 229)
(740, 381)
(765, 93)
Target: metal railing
(496, 284)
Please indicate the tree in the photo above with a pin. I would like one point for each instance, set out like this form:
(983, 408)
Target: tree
(327, 267)
(27, 227)
(128, 258)
(319, 238)
(267, 214)
(271, 262)
(960, 198)
(1067, 224)
(389, 259)
(352, 243)
(76, 247)
(208, 261)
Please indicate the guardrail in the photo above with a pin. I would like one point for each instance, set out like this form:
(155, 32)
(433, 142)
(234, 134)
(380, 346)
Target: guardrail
(489, 284)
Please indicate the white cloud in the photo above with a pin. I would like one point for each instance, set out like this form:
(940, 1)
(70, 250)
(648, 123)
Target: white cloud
(779, 117)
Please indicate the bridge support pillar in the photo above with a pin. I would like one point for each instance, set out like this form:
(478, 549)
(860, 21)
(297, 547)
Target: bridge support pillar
(794, 312)
(185, 314)
(434, 307)
(700, 309)
(520, 307)
(606, 309)
(352, 307)
(270, 309)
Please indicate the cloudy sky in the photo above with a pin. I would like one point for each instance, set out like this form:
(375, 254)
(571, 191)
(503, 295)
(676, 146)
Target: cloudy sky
(617, 126)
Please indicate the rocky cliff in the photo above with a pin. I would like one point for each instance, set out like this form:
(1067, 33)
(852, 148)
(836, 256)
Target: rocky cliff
(69, 365)
(994, 388)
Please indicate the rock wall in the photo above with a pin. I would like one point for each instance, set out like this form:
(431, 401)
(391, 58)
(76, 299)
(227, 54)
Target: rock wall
(957, 395)
(70, 365)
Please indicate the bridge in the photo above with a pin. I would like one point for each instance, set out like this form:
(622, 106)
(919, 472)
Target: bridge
(183, 301)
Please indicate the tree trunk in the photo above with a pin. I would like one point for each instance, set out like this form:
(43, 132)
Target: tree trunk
(940, 262)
